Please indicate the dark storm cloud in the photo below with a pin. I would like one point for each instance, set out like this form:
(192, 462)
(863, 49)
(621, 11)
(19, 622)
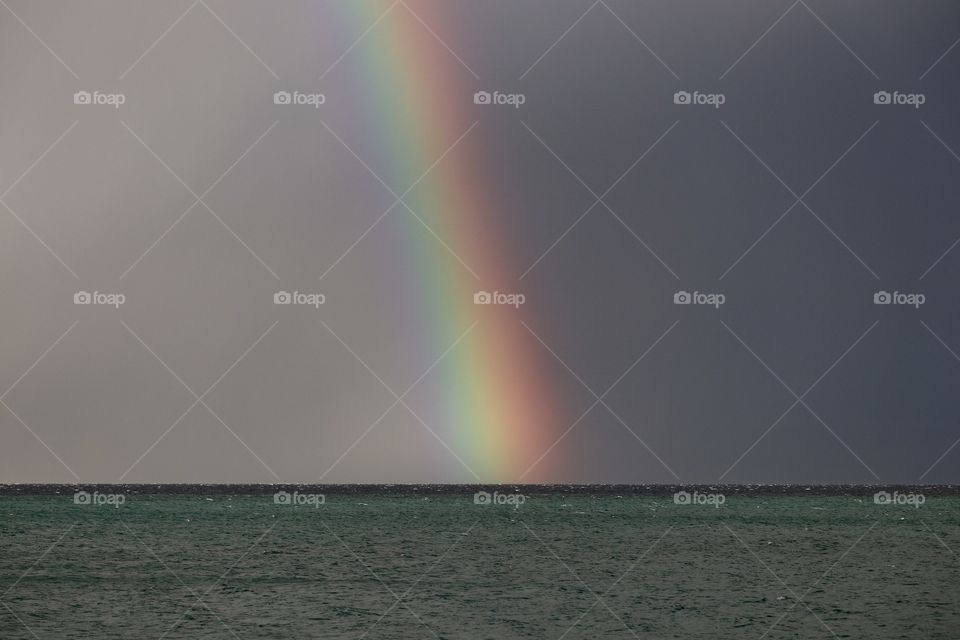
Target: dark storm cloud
(797, 196)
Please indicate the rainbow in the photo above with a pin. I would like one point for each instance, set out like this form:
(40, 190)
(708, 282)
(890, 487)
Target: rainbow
(496, 410)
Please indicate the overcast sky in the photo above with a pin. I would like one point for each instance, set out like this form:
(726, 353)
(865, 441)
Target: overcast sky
(793, 190)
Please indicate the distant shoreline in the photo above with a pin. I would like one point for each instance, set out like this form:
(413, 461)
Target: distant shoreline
(731, 490)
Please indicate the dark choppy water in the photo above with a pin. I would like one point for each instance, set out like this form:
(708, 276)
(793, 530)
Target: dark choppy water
(398, 563)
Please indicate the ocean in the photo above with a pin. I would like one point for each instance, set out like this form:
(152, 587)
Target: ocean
(255, 562)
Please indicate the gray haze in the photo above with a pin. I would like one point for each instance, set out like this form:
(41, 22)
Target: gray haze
(797, 377)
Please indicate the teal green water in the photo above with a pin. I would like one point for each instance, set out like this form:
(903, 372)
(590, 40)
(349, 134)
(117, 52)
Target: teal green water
(444, 567)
